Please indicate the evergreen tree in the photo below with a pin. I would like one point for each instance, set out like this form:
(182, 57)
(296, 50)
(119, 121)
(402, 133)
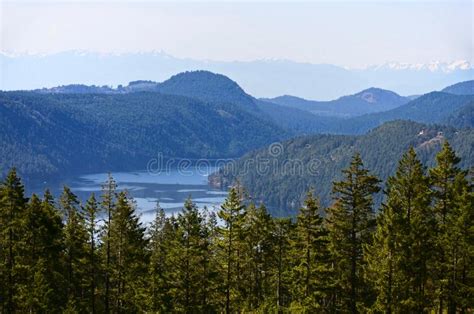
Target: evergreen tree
(281, 278)
(12, 213)
(108, 207)
(462, 234)
(41, 254)
(232, 214)
(310, 259)
(189, 257)
(351, 223)
(161, 235)
(400, 258)
(257, 257)
(75, 244)
(449, 183)
(209, 267)
(91, 210)
(128, 257)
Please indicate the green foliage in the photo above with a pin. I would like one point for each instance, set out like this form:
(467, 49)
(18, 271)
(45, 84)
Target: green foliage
(414, 257)
(60, 134)
(351, 222)
(311, 267)
(452, 206)
(463, 117)
(324, 156)
(400, 261)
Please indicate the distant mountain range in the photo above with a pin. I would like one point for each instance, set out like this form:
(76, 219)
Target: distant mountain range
(261, 78)
(367, 101)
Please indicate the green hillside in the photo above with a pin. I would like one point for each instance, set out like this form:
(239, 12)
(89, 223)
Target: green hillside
(281, 180)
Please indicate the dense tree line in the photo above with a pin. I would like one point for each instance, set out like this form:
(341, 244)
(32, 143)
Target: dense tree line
(414, 256)
(282, 183)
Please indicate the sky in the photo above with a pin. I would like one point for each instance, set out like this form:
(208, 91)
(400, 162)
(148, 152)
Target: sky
(347, 33)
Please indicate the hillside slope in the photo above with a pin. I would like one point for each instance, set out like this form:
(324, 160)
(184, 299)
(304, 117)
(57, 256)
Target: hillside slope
(462, 88)
(281, 174)
(434, 107)
(48, 134)
(367, 101)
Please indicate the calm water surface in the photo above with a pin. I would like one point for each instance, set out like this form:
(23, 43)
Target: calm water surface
(170, 188)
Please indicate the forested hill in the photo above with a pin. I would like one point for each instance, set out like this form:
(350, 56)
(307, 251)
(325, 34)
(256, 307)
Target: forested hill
(203, 85)
(434, 107)
(462, 88)
(367, 101)
(77, 128)
(58, 134)
(281, 175)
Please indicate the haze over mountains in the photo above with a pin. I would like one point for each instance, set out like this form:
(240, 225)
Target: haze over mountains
(261, 78)
(79, 128)
(367, 101)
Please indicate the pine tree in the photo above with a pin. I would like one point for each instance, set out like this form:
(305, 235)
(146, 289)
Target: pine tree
(311, 262)
(257, 256)
(400, 258)
(232, 214)
(462, 234)
(210, 276)
(75, 243)
(12, 212)
(448, 183)
(351, 223)
(91, 210)
(281, 278)
(108, 207)
(188, 254)
(41, 254)
(162, 234)
(128, 257)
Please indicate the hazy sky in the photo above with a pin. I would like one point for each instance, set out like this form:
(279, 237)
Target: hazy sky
(350, 33)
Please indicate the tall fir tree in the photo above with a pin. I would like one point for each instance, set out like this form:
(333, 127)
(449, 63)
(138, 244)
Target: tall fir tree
(448, 183)
(108, 205)
(12, 212)
(257, 258)
(351, 222)
(41, 256)
(91, 212)
(161, 236)
(128, 258)
(281, 272)
(189, 255)
(400, 259)
(311, 267)
(232, 214)
(462, 235)
(75, 253)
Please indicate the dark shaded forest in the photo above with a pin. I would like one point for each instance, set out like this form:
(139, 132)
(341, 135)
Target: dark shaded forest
(412, 254)
(283, 184)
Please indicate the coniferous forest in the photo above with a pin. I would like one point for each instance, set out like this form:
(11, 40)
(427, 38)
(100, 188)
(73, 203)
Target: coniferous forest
(414, 254)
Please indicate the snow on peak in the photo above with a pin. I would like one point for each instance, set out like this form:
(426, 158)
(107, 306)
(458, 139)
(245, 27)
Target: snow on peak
(433, 66)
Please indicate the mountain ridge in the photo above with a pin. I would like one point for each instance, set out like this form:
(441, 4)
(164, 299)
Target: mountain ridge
(369, 100)
(268, 78)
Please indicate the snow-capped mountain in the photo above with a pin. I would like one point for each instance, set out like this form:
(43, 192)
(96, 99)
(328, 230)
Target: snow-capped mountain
(261, 78)
(434, 66)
